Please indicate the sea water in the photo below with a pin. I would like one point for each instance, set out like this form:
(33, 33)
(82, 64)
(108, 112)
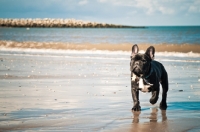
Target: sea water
(148, 35)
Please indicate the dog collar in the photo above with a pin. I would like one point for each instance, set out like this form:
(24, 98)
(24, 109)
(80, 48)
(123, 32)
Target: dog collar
(147, 76)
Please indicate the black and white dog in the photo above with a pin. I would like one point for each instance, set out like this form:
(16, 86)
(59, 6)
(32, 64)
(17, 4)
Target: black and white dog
(146, 75)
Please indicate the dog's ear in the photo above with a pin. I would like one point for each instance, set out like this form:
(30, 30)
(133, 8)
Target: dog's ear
(150, 52)
(135, 50)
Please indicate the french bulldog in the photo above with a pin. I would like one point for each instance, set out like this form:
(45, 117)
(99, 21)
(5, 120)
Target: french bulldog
(146, 76)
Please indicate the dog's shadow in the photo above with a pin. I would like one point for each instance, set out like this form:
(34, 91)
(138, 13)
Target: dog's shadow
(153, 117)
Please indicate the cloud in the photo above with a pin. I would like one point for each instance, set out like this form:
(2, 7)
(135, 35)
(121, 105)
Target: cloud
(148, 6)
(82, 2)
(195, 7)
(102, 1)
(151, 7)
(131, 12)
(164, 10)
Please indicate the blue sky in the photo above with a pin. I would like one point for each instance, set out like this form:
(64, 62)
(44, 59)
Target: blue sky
(126, 12)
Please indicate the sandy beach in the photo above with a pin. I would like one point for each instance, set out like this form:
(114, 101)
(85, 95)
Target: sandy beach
(90, 91)
(183, 48)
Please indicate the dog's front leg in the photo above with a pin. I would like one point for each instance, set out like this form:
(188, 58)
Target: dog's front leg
(135, 96)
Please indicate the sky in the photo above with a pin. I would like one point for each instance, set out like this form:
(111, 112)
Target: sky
(124, 12)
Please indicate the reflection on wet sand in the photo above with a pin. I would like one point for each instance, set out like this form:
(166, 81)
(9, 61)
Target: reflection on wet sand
(153, 123)
(153, 115)
(136, 115)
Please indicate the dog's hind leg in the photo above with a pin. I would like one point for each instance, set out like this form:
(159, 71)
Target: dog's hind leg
(164, 83)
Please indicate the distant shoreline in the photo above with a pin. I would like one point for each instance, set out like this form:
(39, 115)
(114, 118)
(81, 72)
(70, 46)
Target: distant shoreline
(58, 23)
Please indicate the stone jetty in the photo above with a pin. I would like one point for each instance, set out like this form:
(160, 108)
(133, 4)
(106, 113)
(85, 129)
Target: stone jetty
(49, 22)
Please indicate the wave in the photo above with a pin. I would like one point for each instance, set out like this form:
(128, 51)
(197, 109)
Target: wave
(184, 50)
(99, 55)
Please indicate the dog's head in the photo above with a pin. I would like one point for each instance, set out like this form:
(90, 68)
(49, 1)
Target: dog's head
(140, 63)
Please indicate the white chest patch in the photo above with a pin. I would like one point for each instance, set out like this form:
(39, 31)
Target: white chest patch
(141, 83)
(133, 77)
(143, 87)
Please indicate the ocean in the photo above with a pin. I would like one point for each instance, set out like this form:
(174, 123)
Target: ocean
(148, 35)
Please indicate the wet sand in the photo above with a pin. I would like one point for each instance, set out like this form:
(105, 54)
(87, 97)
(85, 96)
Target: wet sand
(90, 91)
(183, 48)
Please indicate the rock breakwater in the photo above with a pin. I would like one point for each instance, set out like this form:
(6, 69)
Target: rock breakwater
(67, 23)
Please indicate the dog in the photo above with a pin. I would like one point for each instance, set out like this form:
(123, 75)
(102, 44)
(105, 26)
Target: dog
(146, 76)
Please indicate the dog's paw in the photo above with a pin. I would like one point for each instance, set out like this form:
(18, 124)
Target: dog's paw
(136, 108)
(163, 105)
(154, 97)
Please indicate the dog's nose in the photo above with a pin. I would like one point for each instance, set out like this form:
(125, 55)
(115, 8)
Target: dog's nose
(136, 63)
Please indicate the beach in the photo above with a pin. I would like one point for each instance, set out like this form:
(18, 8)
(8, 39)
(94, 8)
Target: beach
(89, 90)
(75, 79)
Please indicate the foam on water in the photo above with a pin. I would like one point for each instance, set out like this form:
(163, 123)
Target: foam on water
(99, 54)
(47, 51)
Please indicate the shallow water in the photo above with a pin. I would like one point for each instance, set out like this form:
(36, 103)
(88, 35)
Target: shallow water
(90, 91)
